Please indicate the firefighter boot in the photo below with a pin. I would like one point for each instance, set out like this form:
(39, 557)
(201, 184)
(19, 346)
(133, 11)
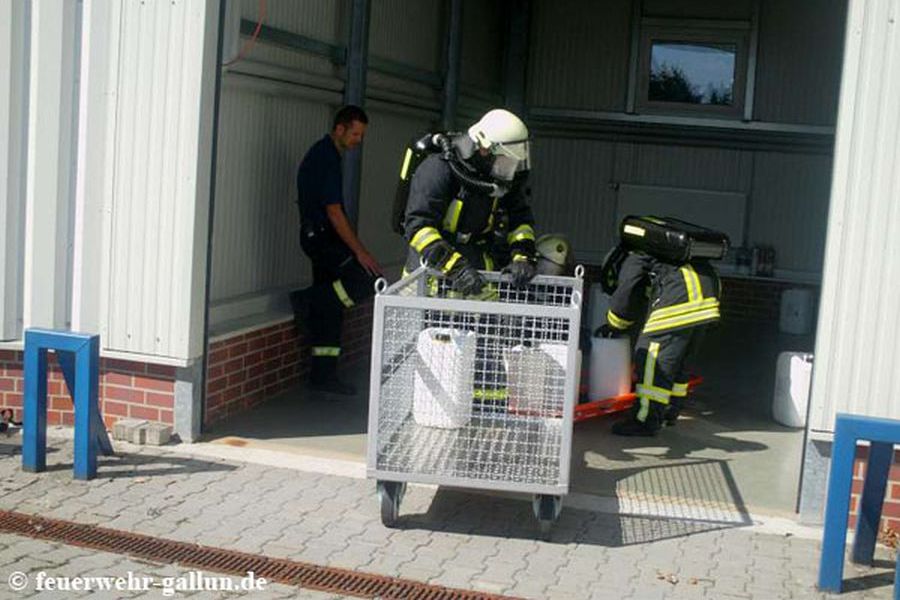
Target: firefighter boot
(672, 411)
(645, 419)
(323, 377)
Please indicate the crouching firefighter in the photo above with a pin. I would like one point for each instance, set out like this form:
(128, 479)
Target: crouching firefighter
(664, 287)
(462, 190)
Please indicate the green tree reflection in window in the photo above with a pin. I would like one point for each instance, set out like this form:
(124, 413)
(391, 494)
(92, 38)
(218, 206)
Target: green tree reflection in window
(692, 73)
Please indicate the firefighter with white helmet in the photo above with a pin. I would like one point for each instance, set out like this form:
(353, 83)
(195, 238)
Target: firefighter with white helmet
(461, 195)
(461, 192)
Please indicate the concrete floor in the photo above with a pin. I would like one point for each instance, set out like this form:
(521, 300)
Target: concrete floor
(726, 451)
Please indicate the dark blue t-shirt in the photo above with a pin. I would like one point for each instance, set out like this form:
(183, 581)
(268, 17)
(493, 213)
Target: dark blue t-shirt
(319, 181)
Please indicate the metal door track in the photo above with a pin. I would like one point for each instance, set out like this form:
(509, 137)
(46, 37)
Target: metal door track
(229, 562)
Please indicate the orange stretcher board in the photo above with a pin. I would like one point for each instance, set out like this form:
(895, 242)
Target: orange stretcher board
(605, 406)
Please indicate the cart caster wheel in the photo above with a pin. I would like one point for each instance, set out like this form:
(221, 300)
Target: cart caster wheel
(390, 494)
(546, 510)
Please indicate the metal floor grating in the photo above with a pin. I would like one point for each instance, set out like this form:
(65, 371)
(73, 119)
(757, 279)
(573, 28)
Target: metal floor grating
(229, 562)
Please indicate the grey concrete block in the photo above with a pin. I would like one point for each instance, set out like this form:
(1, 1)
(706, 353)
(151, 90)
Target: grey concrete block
(158, 434)
(129, 430)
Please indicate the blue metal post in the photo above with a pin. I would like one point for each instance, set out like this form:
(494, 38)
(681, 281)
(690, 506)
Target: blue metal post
(34, 425)
(87, 381)
(881, 455)
(840, 478)
(79, 359)
(66, 362)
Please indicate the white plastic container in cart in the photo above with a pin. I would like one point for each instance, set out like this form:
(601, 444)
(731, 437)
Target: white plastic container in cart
(442, 390)
(438, 358)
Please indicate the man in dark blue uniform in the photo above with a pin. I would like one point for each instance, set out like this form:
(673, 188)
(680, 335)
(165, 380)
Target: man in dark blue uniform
(343, 270)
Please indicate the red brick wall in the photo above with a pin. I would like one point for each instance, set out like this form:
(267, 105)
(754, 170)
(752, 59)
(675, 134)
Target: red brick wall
(127, 389)
(890, 513)
(246, 369)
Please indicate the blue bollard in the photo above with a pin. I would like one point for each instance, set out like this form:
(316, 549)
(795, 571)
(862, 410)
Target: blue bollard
(79, 359)
(848, 431)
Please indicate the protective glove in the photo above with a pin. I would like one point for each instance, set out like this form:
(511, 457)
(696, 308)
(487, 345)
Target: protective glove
(466, 280)
(521, 271)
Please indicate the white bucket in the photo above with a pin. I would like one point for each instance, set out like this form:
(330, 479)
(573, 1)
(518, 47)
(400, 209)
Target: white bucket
(792, 380)
(597, 307)
(443, 386)
(796, 311)
(610, 367)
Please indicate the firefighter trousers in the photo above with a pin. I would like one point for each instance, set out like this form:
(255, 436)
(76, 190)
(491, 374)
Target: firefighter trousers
(339, 282)
(661, 360)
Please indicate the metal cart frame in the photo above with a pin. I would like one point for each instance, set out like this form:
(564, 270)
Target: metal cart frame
(424, 291)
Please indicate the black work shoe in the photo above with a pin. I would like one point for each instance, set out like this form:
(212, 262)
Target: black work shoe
(672, 412)
(332, 386)
(632, 427)
(671, 416)
(300, 304)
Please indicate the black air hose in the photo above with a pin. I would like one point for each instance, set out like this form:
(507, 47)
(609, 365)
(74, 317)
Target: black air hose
(448, 154)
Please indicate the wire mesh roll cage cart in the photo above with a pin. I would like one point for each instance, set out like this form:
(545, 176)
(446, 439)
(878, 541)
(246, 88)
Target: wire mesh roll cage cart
(474, 393)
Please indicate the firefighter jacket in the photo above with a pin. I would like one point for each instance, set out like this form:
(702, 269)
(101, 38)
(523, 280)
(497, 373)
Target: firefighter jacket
(666, 296)
(448, 221)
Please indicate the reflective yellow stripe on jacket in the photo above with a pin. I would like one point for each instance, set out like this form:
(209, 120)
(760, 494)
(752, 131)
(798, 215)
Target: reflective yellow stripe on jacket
(617, 321)
(522, 232)
(424, 238)
(451, 217)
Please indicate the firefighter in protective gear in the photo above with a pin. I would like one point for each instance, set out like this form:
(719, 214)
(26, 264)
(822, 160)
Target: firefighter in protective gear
(455, 199)
(683, 301)
(455, 202)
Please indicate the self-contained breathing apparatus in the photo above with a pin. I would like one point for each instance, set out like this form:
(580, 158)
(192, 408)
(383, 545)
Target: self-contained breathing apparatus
(420, 149)
(666, 238)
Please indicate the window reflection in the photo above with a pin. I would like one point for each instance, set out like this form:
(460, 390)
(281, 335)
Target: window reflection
(692, 73)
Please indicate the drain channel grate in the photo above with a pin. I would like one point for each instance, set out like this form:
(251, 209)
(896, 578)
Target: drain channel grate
(229, 562)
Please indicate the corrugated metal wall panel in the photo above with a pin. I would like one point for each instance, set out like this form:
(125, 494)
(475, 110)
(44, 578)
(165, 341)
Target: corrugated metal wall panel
(262, 138)
(157, 246)
(483, 37)
(319, 19)
(571, 193)
(416, 39)
(859, 325)
(579, 54)
(13, 139)
(698, 9)
(717, 169)
(800, 46)
(789, 208)
(386, 139)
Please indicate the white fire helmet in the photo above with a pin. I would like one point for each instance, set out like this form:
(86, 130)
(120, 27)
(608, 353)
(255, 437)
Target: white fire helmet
(506, 137)
(555, 256)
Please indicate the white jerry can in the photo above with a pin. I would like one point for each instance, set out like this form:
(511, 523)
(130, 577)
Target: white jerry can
(444, 375)
(793, 375)
(535, 376)
(610, 373)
